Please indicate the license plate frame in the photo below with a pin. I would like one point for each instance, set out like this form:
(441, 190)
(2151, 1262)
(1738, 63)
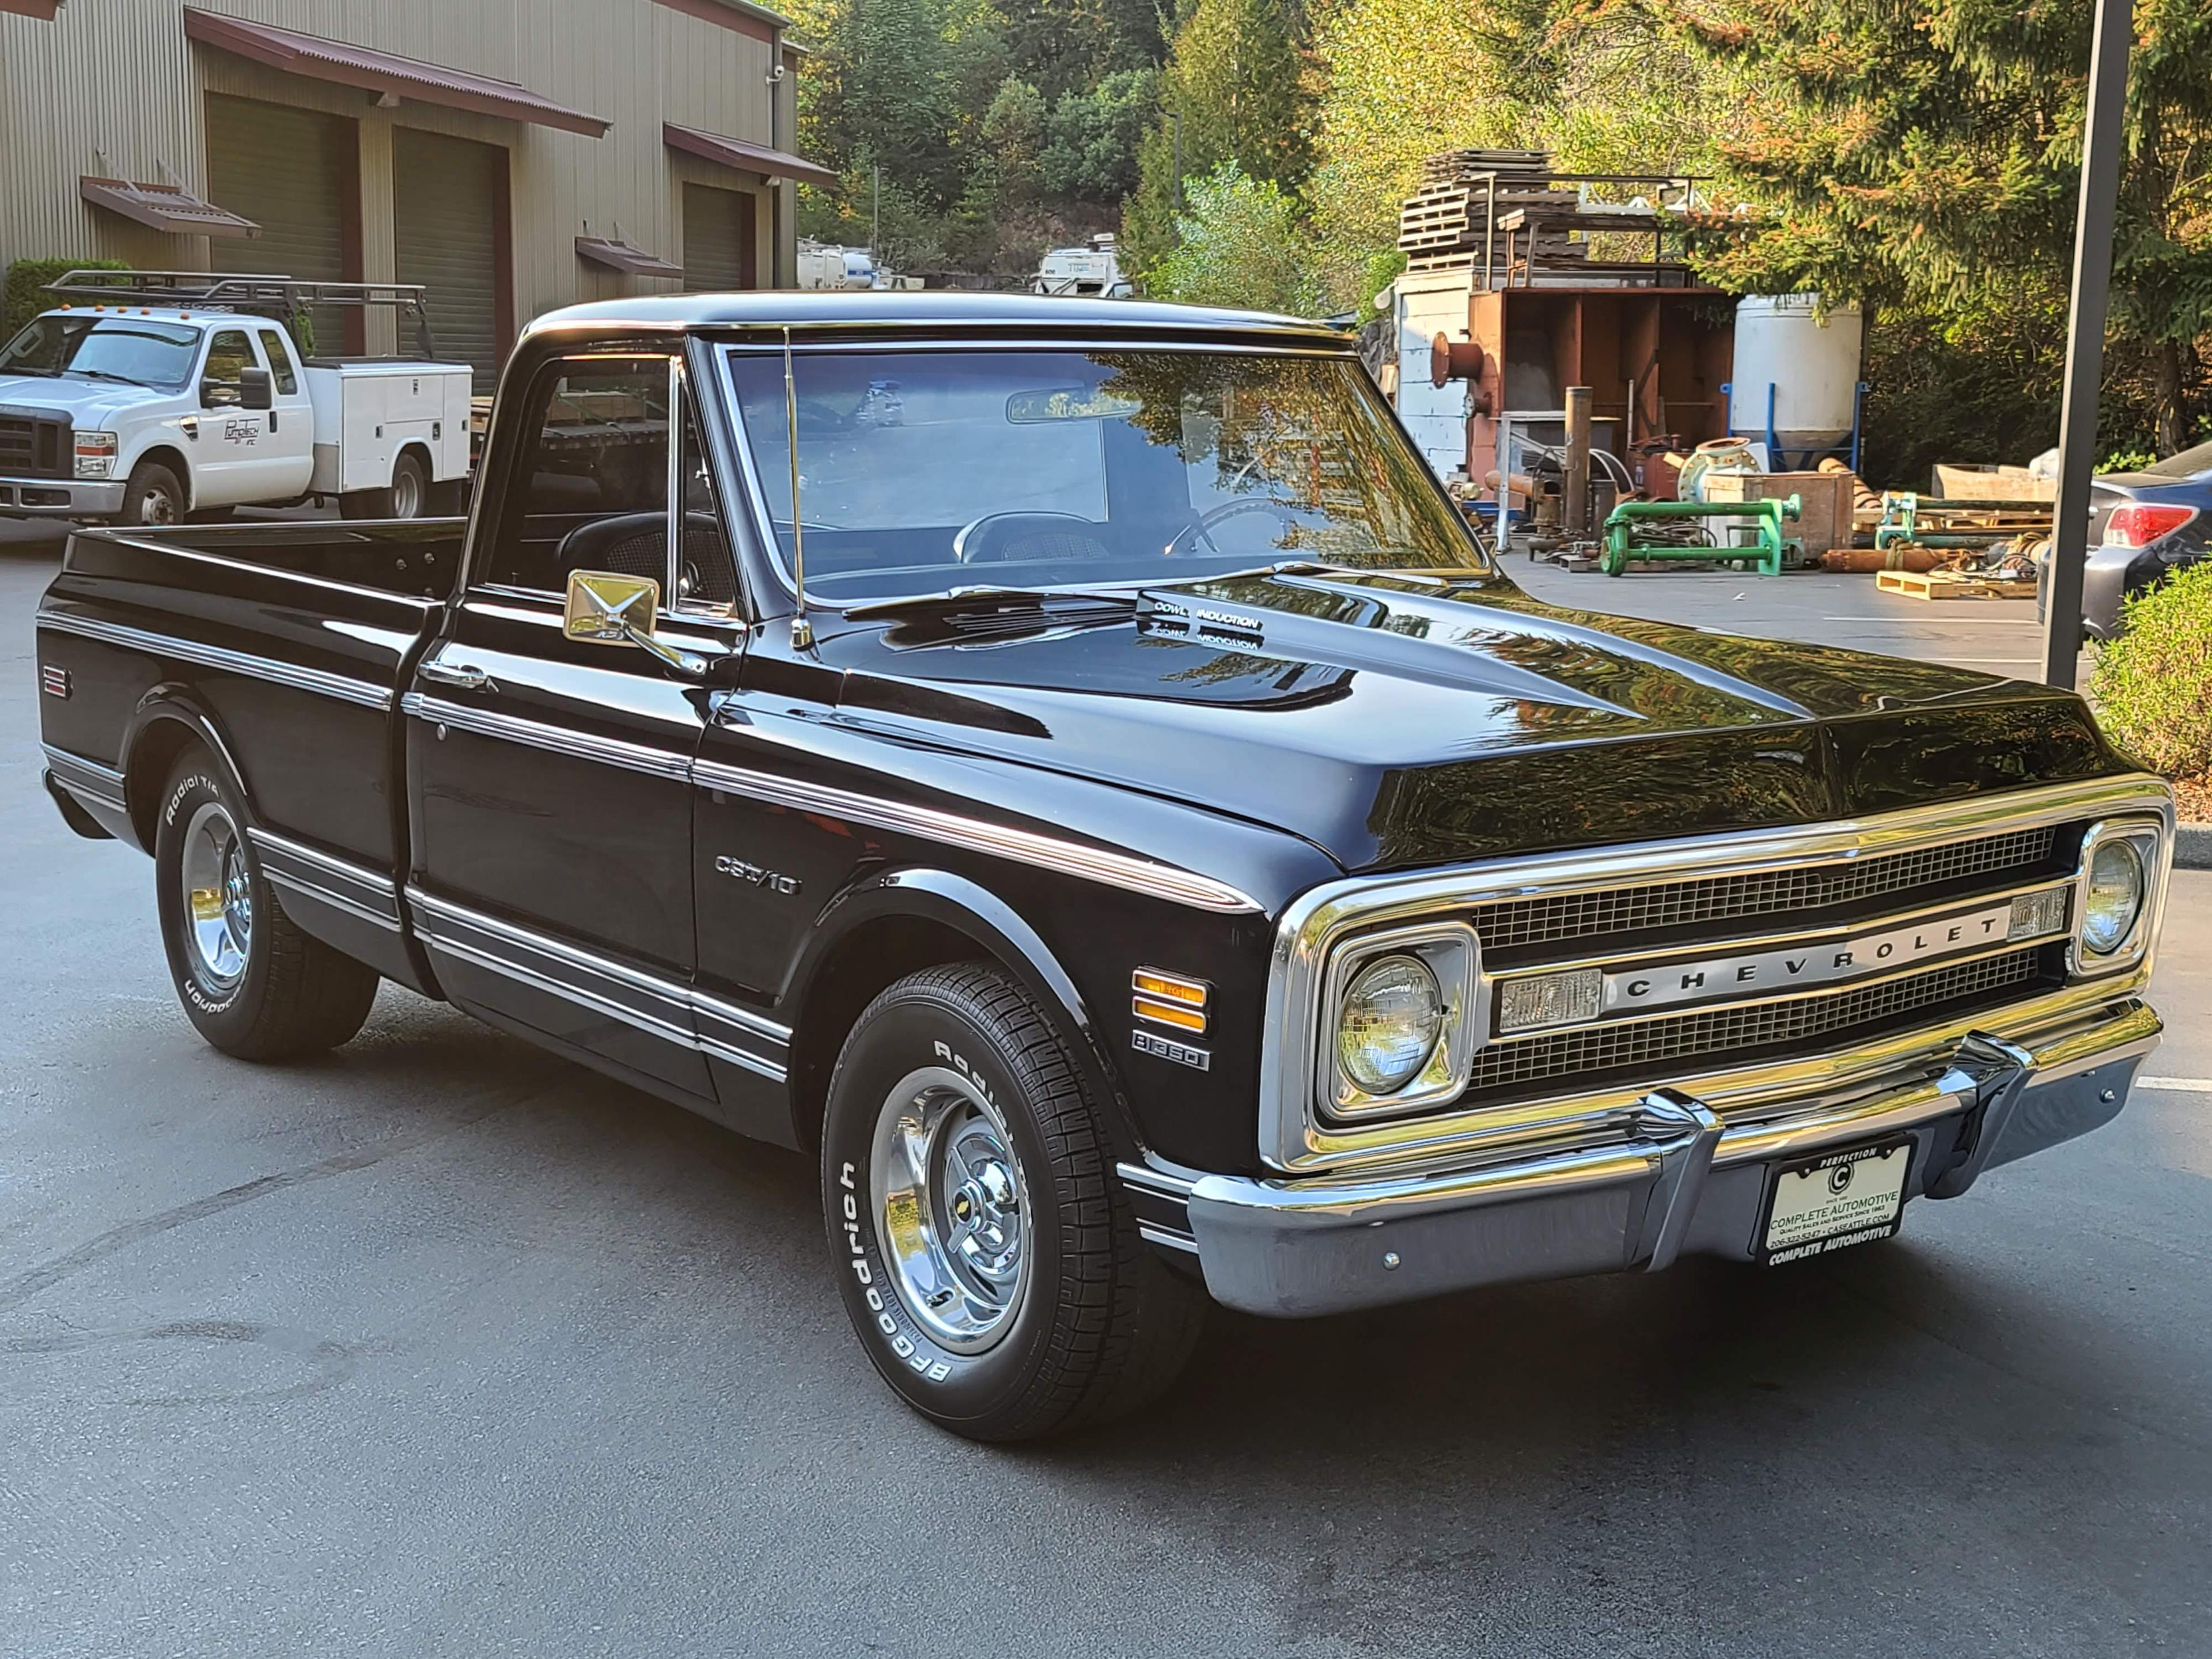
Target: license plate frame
(1807, 1232)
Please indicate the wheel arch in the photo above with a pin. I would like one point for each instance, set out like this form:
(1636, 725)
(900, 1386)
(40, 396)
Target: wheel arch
(173, 458)
(169, 719)
(897, 922)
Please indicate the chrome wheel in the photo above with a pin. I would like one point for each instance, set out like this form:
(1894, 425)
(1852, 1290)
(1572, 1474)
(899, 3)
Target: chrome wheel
(157, 506)
(956, 1212)
(218, 897)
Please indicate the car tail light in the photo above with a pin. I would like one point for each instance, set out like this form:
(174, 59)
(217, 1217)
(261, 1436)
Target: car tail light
(2137, 525)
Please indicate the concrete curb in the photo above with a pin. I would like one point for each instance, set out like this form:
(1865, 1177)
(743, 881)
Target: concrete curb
(2192, 846)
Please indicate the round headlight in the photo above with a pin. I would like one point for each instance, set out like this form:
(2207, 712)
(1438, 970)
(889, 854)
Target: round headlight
(2115, 897)
(1392, 1017)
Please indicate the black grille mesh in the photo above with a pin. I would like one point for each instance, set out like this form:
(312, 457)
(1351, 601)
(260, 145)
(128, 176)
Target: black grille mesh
(1510, 1066)
(1516, 922)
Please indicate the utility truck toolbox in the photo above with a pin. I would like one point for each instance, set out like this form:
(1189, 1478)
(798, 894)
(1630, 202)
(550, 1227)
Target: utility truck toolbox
(367, 410)
(1064, 765)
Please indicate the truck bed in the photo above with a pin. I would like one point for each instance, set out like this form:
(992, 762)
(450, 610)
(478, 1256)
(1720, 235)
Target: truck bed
(291, 640)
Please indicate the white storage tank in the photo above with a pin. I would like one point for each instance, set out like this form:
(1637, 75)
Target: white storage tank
(1809, 358)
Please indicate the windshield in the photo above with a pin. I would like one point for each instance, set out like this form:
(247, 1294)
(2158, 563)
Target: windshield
(134, 348)
(928, 469)
(2186, 465)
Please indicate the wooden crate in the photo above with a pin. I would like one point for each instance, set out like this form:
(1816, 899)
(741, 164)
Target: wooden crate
(1824, 498)
(1950, 585)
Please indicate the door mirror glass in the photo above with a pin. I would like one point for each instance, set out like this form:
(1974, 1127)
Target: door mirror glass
(256, 390)
(608, 608)
(218, 394)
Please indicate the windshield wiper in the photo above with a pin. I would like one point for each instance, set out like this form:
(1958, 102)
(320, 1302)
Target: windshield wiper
(102, 374)
(983, 596)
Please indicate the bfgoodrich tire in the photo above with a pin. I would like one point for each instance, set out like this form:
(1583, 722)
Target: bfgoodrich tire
(985, 1251)
(251, 982)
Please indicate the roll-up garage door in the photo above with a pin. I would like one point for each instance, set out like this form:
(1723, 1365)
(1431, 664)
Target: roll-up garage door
(296, 173)
(718, 241)
(449, 210)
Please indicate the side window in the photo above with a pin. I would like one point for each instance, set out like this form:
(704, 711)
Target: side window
(229, 354)
(590, 492)
(280, 362)
(706, 580)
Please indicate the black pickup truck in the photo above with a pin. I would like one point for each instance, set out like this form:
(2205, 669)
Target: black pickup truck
(1067, 765)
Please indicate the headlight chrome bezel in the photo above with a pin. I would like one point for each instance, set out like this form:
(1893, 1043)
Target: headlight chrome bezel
(95, 452)
(1453, 956)
(2148, 838)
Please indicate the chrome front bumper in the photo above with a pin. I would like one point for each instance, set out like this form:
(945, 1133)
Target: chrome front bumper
(60, 498)
(1676, 1180)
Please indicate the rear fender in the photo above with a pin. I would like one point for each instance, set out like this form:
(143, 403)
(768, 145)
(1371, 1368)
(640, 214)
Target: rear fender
(168, 714)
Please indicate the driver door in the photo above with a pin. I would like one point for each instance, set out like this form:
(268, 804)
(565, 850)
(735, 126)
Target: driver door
(552, 810)
(226, 439)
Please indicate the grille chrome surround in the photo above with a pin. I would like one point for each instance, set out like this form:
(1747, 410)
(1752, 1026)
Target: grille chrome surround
(1517, 923)
(1850, 857)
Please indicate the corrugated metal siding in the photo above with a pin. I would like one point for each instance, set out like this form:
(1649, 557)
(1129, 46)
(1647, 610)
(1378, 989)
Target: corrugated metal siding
(119, 74)
(449, 226)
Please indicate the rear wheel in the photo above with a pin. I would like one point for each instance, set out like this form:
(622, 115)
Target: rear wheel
(251, 981)
(153, 495)
(407, 497)
(987, 1255)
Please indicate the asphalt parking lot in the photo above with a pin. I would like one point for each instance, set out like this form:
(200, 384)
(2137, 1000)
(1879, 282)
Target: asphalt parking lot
(440, 1345)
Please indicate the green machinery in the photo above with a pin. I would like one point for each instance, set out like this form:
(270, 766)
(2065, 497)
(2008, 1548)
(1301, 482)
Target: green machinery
(1621, 545)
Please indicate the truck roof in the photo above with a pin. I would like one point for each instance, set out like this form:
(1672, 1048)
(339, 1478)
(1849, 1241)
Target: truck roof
(928, 310)
(153, 313)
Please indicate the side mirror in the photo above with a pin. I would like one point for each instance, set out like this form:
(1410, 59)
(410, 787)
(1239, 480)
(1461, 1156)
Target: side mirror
(218, 394)
(607, 608)
(257, 389)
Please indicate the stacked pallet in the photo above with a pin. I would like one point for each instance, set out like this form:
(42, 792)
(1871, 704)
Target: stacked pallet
(1446, 224)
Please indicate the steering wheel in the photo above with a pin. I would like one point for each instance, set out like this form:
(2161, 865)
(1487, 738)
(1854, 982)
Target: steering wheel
(985, 540)
(1289, 513)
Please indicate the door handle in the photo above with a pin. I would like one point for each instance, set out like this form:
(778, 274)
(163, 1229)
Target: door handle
(465, 675)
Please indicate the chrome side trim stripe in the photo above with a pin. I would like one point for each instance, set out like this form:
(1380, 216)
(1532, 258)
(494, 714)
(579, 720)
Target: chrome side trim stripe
(313, 873)
(1173, 1240)
(215, 656)
(662, 1007)
(1023, 846)
(581, 746)
(86, 776)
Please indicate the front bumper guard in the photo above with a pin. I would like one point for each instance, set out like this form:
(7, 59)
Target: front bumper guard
(1679, 1181)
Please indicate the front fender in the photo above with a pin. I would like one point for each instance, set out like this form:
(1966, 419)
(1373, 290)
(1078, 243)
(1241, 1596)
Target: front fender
(966, 906)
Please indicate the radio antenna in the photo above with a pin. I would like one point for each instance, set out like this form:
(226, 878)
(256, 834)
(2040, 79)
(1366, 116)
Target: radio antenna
(802, 630)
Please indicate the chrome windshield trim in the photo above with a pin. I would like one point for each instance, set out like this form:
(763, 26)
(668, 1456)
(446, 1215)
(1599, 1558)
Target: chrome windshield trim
(219, 657)
(1293, 1138)
(559, 740)
(1135, 875)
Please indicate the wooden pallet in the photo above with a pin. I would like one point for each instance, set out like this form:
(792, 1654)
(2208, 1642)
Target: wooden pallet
(1949, 585)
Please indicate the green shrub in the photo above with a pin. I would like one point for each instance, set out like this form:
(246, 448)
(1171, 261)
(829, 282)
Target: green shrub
(2153, 685)
(25, 294)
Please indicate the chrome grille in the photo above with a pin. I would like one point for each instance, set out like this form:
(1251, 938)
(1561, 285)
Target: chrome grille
(1507, 1066)
(1516, 922)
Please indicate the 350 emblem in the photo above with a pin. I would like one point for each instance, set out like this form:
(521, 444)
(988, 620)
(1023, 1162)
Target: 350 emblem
(724, 864)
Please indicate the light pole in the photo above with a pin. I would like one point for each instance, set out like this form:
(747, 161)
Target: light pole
(2103, 138)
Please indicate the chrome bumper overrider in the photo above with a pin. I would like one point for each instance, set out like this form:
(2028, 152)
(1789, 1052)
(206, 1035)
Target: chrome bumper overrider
(1676, 1179)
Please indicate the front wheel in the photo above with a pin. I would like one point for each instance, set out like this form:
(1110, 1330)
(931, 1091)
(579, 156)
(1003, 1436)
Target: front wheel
(251, 982)
(987, 1255)
(153, 495)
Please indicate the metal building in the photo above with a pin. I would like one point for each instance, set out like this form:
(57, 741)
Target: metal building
(513, 154)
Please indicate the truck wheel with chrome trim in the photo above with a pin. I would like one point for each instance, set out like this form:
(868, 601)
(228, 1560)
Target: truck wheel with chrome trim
(153, 496)
(253, 984)
(985, 1250)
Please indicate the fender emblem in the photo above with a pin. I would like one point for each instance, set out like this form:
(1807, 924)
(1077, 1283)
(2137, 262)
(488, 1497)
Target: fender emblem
(752, 873)
(1144, 1043)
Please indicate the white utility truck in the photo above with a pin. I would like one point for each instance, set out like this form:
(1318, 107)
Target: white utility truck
(153, 397)
(1093, 270)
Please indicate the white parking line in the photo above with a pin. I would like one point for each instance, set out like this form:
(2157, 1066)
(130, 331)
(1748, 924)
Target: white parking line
(2180, 1085)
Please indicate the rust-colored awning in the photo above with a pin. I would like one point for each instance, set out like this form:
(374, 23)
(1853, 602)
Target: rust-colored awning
(169, 207)
(617, 253)
(44, 10)
(321, 59)
(756, 159)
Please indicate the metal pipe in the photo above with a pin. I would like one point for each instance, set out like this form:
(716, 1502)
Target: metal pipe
(1576, 517)
(2102, 140)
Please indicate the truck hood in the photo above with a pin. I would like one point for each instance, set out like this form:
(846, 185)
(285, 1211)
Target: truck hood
(1394, 721)
(90, 405)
